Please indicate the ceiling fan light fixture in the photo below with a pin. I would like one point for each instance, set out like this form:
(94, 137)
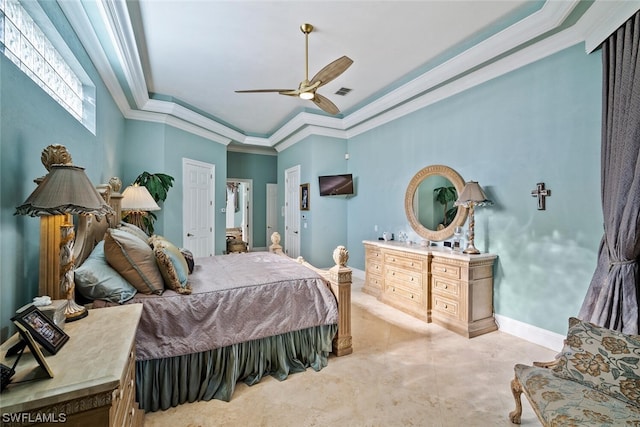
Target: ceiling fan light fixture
(306, 95)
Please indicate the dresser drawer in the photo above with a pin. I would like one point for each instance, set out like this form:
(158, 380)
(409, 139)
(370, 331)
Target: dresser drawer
(373, 253)
(406, 278)
(445, 287)
(446, 306)
(399, 292)
(374, 280)
(445, 270)
(404, 261)
(124, 395)
(373, 266)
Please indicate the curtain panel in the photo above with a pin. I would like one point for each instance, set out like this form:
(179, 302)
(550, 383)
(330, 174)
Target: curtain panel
(614, 292)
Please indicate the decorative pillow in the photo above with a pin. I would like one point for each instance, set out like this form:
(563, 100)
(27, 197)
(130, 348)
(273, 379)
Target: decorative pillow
(173, 266)
(188, 257)
(135, 230)
(606, 360)
(95, 279)
(134, 260)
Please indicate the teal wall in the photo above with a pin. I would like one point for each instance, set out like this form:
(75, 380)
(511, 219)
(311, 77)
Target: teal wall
(540, 123)
(30, 121)
(155, 147)
(326, 226)
(262, 169)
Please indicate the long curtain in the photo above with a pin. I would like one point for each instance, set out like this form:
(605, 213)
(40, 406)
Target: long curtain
(613, 295)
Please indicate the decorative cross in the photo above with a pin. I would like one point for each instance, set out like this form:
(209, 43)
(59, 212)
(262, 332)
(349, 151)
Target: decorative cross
(541, 193)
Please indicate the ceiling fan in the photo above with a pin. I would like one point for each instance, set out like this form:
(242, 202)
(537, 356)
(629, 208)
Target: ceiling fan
(307, 88)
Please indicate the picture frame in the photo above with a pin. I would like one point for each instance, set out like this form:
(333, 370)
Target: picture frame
(41, 329)
(33, 347)
(304, 197)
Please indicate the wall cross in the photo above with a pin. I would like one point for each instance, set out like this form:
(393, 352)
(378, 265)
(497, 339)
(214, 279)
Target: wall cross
(541, 193)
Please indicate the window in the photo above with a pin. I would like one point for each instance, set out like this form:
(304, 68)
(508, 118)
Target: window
(29, 40)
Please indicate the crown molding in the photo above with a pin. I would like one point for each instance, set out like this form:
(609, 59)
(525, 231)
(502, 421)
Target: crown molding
(77, 17)
(436, 84)
(118, 24)
(308, 131)
(603, 19)
(550, 16)
(533, 53)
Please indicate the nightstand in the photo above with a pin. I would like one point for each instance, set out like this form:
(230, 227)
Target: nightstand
(94, 375)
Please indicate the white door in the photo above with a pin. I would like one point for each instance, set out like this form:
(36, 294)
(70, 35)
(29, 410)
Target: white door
(272, 211)
(292, 211)
(198, 210)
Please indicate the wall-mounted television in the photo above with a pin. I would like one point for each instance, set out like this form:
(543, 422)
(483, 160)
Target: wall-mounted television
(336, 185)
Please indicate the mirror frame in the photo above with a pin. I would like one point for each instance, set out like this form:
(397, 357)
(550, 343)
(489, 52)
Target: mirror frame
(461, 215)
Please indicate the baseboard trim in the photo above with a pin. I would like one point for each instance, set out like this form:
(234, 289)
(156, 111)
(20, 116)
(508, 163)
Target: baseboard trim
(534, 334)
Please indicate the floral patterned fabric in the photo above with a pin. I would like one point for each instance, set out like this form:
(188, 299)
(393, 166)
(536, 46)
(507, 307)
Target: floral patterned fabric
(560, 403)
(605, 360)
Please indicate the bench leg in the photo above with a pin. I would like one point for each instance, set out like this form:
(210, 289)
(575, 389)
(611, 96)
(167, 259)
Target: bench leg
(516, 389)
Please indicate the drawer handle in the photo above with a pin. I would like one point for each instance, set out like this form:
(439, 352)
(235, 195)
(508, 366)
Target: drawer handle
(445, 286)
(444, 269)
(412, 264)
(411, 296)
(444, 305)
(412, 279)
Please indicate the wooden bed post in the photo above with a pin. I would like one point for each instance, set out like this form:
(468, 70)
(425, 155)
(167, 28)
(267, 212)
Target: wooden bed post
(339, 278)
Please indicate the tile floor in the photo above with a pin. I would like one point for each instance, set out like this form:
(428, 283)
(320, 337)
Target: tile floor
(403, 372)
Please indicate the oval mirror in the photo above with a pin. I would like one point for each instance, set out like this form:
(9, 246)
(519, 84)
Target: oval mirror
(429, 202)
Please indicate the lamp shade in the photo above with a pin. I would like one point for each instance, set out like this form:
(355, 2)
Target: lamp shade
(138, 198)
(472, 193)
(65, 190)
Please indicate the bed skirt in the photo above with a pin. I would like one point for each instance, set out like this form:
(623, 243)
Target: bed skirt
(213, 374)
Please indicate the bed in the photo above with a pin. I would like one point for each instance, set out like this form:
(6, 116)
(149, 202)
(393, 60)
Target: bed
(238, 317)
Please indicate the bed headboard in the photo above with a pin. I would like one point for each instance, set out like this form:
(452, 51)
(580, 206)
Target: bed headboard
(91, 229)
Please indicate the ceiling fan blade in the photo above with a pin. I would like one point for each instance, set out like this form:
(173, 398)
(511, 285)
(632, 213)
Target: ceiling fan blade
(325, 104)
(264, 90)
(332, 71)
(290, 92)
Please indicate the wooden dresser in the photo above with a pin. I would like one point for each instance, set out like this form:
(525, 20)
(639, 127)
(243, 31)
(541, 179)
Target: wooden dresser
(94, 376)
(434, 284)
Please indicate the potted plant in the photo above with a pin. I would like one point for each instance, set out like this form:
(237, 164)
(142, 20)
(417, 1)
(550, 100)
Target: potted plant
(444, 196)
(158, 185)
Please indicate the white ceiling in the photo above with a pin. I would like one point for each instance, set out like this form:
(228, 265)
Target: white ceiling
(179, 61)
(199, 52)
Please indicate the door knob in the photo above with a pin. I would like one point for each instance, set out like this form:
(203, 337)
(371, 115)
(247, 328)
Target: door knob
(189, 235)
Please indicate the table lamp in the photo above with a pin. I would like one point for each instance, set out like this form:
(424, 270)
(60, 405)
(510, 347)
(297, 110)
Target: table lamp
(66, 190)
(472, 196)
(136, 203)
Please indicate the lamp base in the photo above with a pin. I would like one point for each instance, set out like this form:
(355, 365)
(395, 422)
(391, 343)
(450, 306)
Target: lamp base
(73, 311)
(471, 250)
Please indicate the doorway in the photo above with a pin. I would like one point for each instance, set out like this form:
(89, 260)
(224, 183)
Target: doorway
(239, 209)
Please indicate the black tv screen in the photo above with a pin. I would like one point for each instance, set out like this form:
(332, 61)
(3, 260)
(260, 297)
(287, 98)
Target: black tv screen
(335, 185)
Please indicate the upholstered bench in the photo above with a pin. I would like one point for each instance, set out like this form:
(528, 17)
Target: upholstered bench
(594, 381)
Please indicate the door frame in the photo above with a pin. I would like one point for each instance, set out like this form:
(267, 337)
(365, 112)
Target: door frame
(292, 204)
(249, 209)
